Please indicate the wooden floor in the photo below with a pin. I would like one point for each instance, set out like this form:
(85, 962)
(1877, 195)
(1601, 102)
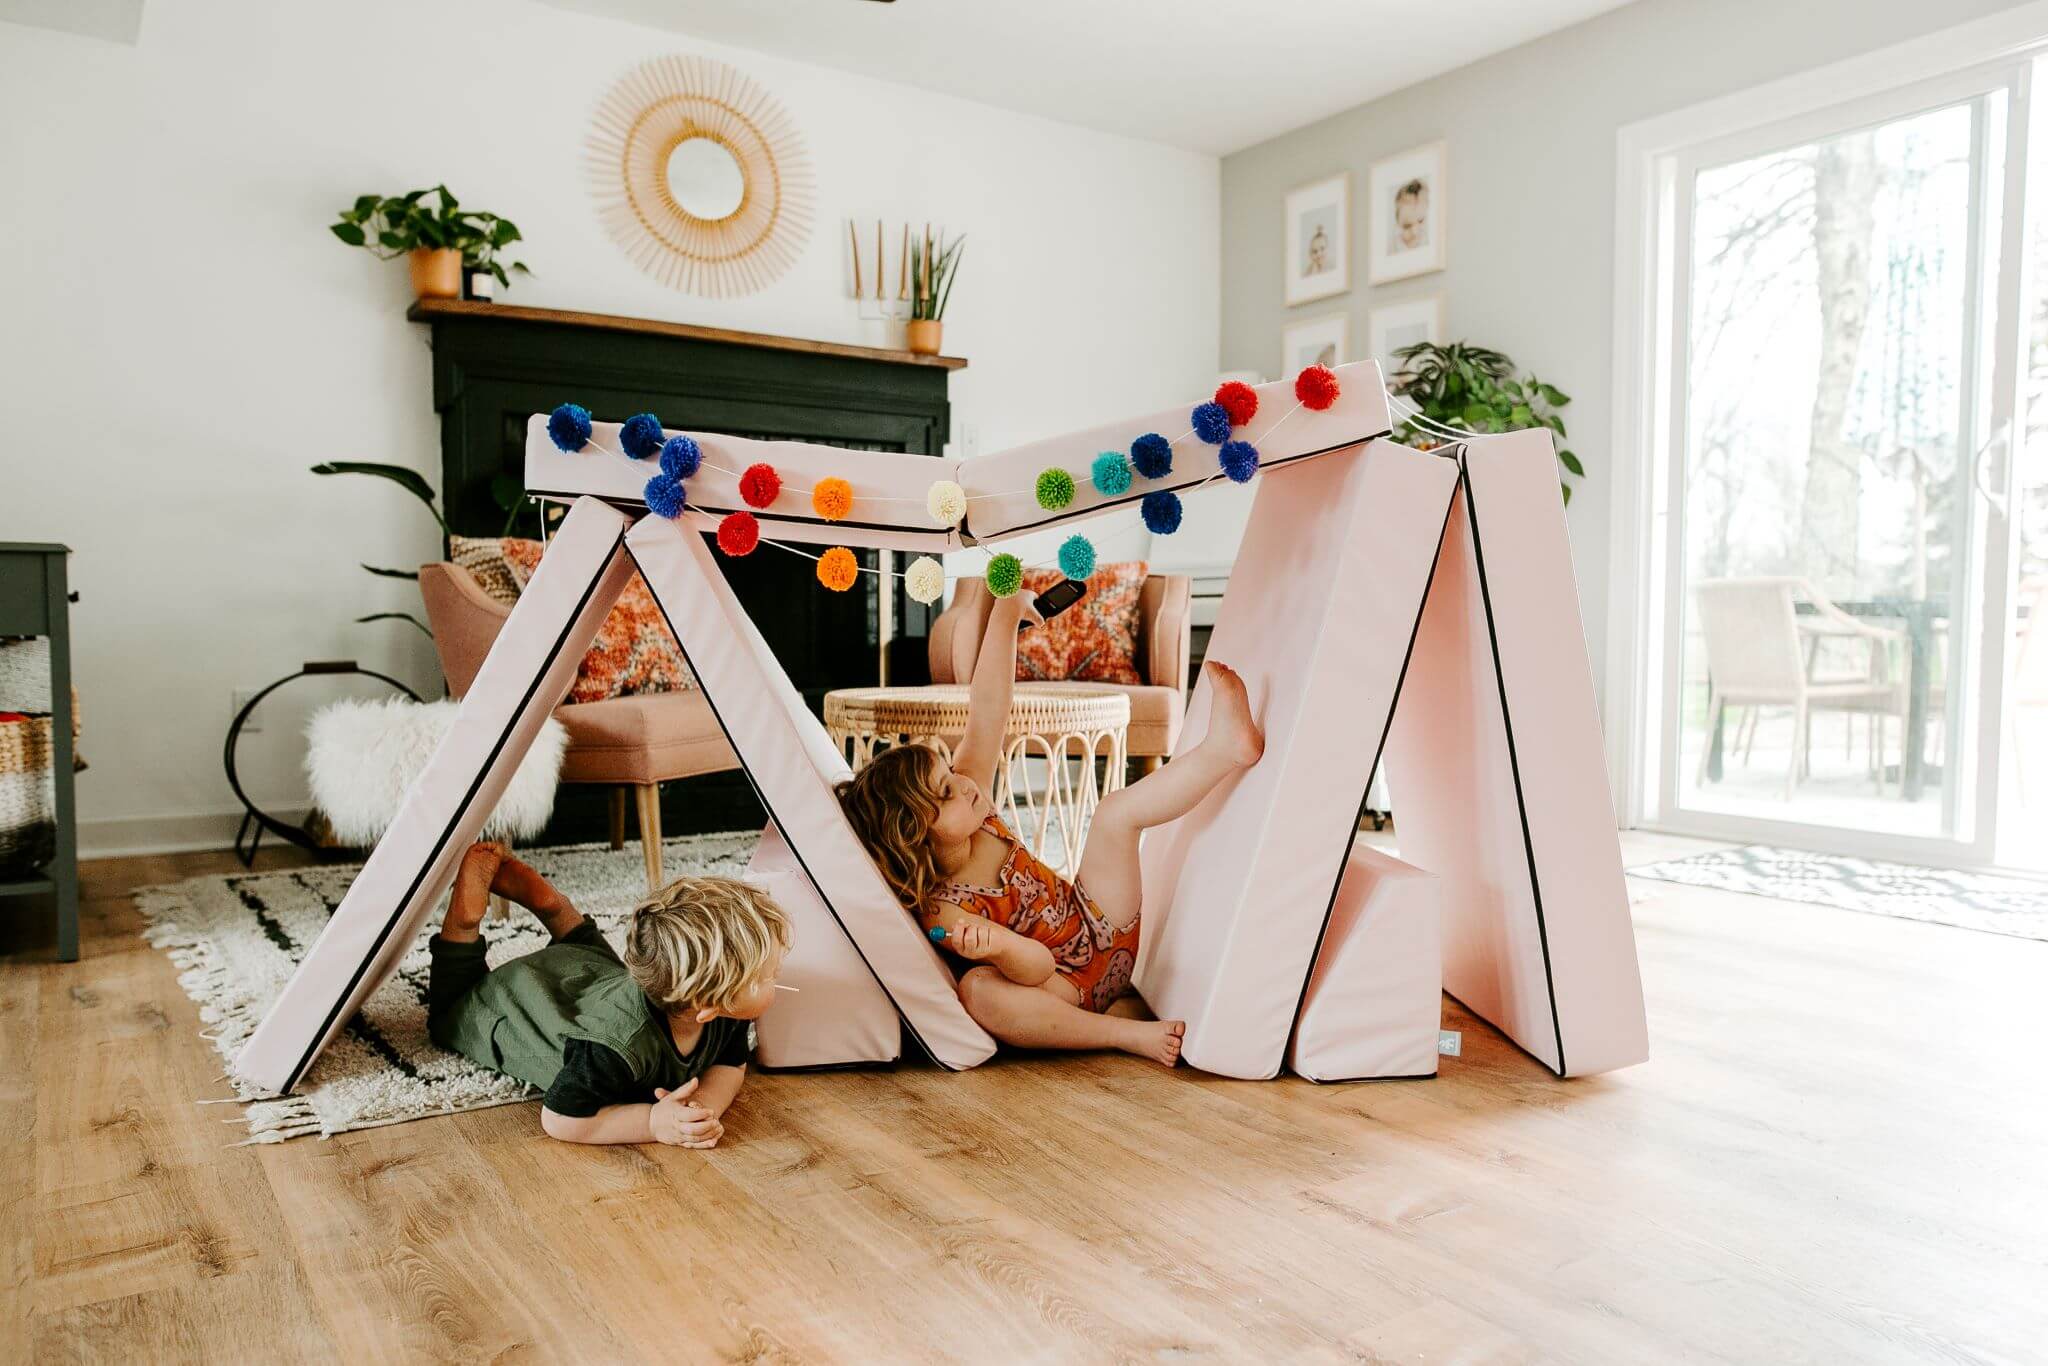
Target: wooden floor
(1836, 1154)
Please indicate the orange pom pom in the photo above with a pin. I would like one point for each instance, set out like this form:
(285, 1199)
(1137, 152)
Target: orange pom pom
(838, 570)
(832, 499)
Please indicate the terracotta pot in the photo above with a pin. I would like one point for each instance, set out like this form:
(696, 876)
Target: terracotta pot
(436, 272)
(921, 336)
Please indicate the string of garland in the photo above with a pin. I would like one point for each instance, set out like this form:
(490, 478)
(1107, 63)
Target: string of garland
(1110, 474)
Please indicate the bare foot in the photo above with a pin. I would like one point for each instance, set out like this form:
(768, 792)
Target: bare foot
(472, 895)
(1230, 716)
(519, 883)
(1158, 1040)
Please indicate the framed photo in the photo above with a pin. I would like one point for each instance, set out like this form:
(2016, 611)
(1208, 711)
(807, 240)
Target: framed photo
(1318, 236)
(1397, 325)
(1318, 341)
(1408, 201)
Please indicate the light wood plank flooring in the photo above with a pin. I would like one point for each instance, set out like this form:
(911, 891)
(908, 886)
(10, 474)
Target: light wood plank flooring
(1836, 1154)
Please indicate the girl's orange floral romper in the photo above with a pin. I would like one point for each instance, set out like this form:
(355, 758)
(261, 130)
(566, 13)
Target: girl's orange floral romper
(1089, 953)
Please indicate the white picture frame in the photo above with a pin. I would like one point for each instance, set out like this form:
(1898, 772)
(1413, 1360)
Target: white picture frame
(1316, 231)
(1389, 329)
(1315, 341)
(1407, 227)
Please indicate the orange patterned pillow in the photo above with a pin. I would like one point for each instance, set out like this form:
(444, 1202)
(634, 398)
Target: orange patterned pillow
(634, 651)
(1095, 640)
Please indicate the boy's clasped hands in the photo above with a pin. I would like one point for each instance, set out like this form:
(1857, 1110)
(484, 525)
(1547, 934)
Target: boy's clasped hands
(676, 1121)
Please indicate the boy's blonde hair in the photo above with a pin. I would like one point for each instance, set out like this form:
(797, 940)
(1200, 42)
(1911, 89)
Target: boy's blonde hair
(892, 804)
(704, 942)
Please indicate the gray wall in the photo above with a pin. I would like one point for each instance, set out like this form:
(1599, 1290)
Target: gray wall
(1531, 156)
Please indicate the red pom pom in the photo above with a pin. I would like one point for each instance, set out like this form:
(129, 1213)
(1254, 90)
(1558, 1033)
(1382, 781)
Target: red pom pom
(740, 532)
(1240, 400)
(1316, 387)
(759, 485)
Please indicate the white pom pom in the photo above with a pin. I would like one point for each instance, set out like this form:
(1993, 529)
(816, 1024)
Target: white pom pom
(925, 580)
(947, 502)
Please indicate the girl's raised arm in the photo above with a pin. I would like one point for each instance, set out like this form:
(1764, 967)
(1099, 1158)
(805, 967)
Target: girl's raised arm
(988, 701)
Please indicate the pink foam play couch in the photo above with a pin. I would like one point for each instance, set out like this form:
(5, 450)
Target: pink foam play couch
(1375, 996)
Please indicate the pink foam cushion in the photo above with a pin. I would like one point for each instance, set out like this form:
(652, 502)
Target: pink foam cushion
(1375, 1000)
(837, 1014)
(1002, 485)
(529, 668)
(1542, 949)
(1321, 608)
(793, 765)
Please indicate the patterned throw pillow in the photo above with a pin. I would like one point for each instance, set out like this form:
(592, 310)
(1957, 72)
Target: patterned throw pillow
(634, 651)
(1095, 640)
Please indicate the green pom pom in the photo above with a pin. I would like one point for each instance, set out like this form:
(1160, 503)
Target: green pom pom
(1055, 489)
(1005, 575)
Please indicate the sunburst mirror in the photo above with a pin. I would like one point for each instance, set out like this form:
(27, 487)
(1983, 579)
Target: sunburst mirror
(700, 176)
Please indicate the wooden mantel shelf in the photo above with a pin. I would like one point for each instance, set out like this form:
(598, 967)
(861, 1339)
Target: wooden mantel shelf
(428, 310)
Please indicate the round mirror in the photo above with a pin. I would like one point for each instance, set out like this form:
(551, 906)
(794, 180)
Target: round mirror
(705, 179)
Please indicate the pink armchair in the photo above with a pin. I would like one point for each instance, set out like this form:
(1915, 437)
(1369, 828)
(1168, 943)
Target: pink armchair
(1164, 628)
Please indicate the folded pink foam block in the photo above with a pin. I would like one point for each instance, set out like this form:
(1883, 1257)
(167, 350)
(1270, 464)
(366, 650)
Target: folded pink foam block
(793, 764)
(529, 669)
(1322, 605)
(1375, 1000)
(1498, 777)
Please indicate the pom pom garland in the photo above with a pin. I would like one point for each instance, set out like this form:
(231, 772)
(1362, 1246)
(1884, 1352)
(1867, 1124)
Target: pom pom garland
(1240, 460)
(1055, 491)
(739, 533)
(1153, 455)
(1005, 575)
(1316, 387)
(1111, 475)
(1240, 400)
(569, 426)
(1211, 422)
(1161, 511)
(759, 485)
(640, 437)
(664, 496)
(837, 569)
(1077, 557)
(832, 499)
(680, 457)
(925, 580)
(946, 501)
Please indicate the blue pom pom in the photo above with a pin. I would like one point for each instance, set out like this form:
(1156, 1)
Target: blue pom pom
(1161, 512)
(640, 437)
(1240, 460)
(1211, 422)
(937, 934)
(680, 457)
(1111, 473)
(1153, 455)
(664, 496)
(569, 426)
(1077, 557)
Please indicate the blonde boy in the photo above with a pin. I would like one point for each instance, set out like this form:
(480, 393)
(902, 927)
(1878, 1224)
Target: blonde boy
(649, 1048)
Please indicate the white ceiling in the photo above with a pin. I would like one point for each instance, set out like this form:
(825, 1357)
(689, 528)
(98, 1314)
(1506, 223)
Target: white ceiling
(1210, 75)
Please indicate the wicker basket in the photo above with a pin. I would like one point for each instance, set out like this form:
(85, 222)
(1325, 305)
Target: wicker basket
(28, 818)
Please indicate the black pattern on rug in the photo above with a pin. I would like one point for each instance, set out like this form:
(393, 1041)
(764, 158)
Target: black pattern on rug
(1942, 896)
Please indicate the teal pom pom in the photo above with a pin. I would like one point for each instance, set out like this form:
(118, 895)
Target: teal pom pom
(569, 426)
(1055, 489)
(1153, 455)
(1111, 474)
(937, 934)
(1161, 512)
(1005, 575)
(640, 436)
(1077, 557)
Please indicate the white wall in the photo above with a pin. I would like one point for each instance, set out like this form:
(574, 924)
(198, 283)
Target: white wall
(180, 337)
(1531, 152)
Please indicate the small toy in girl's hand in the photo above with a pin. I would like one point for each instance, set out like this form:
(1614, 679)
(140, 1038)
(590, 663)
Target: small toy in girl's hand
(937, 934)
(1059, 598)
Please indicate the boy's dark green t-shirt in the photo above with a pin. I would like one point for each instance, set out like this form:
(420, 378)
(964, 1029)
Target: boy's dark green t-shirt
(571, 1020)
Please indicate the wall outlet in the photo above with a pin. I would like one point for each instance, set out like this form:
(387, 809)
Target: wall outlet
(238, 698)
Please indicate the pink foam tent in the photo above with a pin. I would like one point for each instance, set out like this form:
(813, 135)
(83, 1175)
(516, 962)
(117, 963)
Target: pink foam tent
(1348, 614)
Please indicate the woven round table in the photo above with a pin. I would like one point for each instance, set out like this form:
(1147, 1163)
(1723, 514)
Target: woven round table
(1069, 728)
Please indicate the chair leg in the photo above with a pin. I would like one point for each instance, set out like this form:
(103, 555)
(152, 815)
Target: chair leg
(1749, 733)
(649, 802)
(1714, 709)
(618, 818)
(1797, 762)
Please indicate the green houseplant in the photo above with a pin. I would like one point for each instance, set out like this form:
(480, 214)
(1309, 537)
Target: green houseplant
(933, 267)
(436, 235)
(1474, 389)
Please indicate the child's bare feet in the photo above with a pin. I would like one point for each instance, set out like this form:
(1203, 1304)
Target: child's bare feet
(517, 882)
(471, 897)
(1230, 716)
(1158, 1040)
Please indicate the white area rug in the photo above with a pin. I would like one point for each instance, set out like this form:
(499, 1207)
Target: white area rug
(237, 937)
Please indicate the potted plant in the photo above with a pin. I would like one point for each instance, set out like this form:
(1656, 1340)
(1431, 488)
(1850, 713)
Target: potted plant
(932, 268)
(1471, 388)
(438, 237)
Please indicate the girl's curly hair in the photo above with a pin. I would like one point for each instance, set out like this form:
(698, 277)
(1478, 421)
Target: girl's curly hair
(892, 804)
